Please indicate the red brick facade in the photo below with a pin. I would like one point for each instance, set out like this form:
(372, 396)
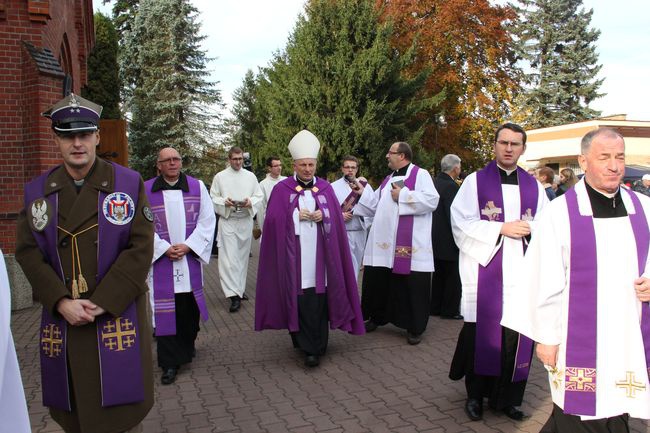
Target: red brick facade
(41, 42)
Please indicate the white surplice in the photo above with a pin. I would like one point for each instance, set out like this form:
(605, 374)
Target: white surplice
(307, 232)
(419, 202)
(266, 185)
(542, 311)
(13, 408)
(356, 228)
(199, 241)
(235, 228)
(479, 240)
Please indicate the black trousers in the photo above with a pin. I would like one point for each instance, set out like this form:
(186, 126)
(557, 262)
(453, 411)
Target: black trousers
(313, 320)
(559, 422)
(500, 390)
(445, 288)
(176, 350)
(402, 300)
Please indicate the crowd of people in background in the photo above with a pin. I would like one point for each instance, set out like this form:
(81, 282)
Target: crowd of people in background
(521, 258)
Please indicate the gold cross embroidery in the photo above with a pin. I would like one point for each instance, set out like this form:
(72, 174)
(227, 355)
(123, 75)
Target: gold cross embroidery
(118, 334)
(403, 251)
(580, 379)
(631, 386)
(51, 340)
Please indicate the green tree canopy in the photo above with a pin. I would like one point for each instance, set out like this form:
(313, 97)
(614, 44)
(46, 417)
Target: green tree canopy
(171, 101)
(103, 86)
(557, 42)
(340, 78)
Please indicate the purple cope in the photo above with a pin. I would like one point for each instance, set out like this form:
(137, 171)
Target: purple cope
(278, 276)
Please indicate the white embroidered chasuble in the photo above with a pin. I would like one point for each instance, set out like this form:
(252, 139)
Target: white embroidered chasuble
(541, 312)
(421, 202)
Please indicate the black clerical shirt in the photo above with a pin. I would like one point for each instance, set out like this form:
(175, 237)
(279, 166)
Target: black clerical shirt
(402, 171)
(606, 207)
(161, 184)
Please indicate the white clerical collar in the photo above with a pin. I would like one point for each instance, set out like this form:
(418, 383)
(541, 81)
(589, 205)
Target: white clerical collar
(508, 172)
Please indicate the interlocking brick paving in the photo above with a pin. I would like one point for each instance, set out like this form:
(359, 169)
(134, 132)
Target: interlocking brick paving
(249, 382)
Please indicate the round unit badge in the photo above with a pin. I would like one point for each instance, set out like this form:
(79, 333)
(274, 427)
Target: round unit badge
(118, 208)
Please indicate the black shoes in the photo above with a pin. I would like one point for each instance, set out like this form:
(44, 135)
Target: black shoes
(413, 339)
(169, 375)
(454, 317)
(244, 297)
(474, 409)
(235, 304)
(312, 361)
(514, 413)
(371, 326)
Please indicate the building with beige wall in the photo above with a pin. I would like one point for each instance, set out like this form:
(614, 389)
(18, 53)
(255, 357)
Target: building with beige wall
(559, 146)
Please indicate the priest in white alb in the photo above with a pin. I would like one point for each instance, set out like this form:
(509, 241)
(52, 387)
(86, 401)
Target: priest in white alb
(184, 228)
(492, 217)
(585, 292)
(237, 197)
(348, 195)
(398, 260)
(13, 408)
(274, 175)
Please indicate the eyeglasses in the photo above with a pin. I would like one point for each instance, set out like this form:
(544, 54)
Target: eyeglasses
(168, 160)
(394, 153)
(349, 167)
(511, 143)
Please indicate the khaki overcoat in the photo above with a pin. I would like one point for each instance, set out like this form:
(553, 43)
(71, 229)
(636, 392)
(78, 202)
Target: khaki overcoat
(123, 283)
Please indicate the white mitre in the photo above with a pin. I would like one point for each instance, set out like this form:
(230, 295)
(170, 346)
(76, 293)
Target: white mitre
(304, 145)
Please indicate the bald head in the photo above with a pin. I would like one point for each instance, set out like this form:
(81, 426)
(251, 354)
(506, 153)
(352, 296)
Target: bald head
(169, 164)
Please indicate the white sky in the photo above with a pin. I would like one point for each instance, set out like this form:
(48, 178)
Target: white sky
(243, 34)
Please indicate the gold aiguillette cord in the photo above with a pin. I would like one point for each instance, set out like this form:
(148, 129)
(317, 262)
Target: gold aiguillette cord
(82, 287)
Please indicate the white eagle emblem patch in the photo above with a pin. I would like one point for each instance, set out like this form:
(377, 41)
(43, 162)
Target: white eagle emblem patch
(39, 214)
(118, 208)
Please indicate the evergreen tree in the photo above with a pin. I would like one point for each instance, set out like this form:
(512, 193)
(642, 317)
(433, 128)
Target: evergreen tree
(340, 78)
(103, 86)
(244, 129)
(171, 101)
(557, 42)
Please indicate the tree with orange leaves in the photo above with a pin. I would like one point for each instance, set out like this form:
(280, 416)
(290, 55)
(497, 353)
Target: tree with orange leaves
(469, 47)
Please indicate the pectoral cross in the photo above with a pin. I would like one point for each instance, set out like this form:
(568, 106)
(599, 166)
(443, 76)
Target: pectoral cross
(178, 275)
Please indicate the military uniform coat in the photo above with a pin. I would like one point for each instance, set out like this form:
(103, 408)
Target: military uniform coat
(124, 282)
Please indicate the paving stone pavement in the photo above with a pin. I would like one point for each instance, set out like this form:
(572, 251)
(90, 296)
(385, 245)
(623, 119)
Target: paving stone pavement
(249, 382)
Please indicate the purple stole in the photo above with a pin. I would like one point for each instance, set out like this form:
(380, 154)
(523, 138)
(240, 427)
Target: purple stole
(582, 338)
(163, 278)
(404, 238)
(352, 199)
(489, 308)
(118, 341)
(321, 203)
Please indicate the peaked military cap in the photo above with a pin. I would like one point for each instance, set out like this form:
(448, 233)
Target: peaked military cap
(74, 114)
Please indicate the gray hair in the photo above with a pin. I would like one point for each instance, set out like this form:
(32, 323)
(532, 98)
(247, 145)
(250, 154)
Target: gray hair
(448, 162)
(585, 144)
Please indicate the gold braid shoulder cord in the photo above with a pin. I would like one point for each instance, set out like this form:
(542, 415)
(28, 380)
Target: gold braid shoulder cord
(82, 287)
